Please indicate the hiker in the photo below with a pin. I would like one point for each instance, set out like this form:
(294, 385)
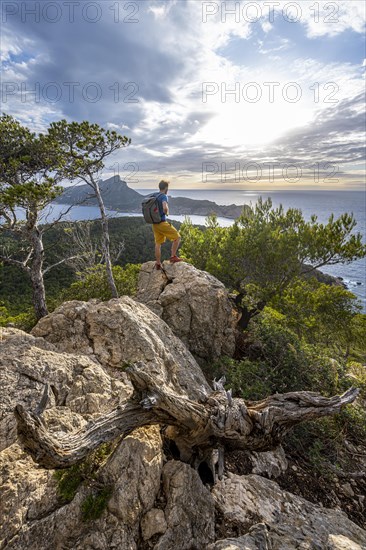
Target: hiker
(162, 229)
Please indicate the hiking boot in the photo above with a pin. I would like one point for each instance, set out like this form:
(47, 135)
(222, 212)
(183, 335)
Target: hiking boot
(157, 266)
(174, 259)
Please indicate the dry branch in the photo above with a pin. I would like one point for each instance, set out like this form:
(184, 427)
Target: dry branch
(217, 421)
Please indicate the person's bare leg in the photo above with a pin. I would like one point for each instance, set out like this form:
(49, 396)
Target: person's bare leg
(175, 245)
(158, 253)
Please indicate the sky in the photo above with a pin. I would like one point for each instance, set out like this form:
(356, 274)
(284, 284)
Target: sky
(222, 95)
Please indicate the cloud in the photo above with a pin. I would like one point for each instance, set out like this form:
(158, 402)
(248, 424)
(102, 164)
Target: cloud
(336, 17)
(159, 64)
(319, 18)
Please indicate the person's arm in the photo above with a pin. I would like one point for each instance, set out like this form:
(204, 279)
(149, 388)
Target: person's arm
(165, 206)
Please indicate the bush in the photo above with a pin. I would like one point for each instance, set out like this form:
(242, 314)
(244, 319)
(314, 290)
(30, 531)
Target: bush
(321, 442)
(70, 479)
(95, 503)
(322, 313)
(278, 361)
(93, 283)
(23, 321)
(356, 374)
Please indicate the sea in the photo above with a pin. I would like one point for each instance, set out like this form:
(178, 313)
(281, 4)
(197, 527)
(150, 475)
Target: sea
(320, 203)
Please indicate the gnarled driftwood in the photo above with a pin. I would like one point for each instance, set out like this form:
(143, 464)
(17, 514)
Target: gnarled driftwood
(218, 421)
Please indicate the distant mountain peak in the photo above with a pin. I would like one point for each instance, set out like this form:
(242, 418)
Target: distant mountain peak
(114, 180)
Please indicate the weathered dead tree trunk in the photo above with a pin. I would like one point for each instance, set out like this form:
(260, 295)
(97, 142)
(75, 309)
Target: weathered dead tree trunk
(218, 421)
(105, 238)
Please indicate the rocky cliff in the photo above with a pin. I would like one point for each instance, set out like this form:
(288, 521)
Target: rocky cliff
(136, 491)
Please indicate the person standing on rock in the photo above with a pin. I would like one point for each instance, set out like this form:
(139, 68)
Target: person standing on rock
(165, 230)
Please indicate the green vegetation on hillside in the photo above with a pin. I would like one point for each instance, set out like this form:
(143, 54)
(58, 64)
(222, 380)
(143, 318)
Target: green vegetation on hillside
(62, 283)
(300, 332)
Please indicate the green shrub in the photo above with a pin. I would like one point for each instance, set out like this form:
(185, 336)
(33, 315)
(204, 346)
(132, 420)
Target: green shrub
(69, 481)
(95, 503)
(356, 374)
(351, 422)
(93, 283)
(23, 321)
(320, 443)
(247, 379)
(279, 361)
(323, 313)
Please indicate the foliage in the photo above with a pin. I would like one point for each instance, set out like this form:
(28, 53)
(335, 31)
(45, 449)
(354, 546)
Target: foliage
(70, 479)
(247, 378)
(356, 374)
(322, 313)
(95, 503)
(84, 146)
(279, 361)
(198, 245)
(93, 283)
(23, 321)
(26, 162)
(321, 443)
(268, 248)
(30, 168)
(15, 289)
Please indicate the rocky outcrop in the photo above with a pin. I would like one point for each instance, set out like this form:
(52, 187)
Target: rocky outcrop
(134, 471)
(256, 539)
(39, 520)
(81, 388)
(194, 304)
(27, 493)
(138, 494)
(120, 332)
(292, 521)
(269, 463)
(189, 510)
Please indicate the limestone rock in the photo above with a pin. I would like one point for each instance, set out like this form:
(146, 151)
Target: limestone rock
(26, 492)
(269, 463)
(153, 523)
(189, 511)
(134, 470)
(39, 521)
(119, 332)
(339, 542)
(60, 528)
(194, 304)
(81, 350)
(77, 382)
(293, 521)
(347, 490)
(256, 539)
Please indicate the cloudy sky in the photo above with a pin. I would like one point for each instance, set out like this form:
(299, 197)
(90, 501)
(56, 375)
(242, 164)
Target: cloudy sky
(251, 95)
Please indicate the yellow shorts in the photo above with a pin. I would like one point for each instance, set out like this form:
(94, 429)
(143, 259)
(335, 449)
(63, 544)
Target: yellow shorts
(163, 231)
